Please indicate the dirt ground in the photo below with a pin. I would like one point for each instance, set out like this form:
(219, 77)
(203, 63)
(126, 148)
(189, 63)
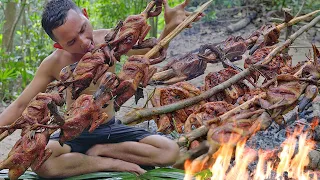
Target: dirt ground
(188, 40)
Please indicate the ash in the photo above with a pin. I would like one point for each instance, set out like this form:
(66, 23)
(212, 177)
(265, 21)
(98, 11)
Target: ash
(275, 135)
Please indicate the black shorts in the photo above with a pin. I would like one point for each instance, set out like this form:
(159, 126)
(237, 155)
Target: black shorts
(112, 132)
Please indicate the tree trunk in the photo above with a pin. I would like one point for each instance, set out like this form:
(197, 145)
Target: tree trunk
(154, 27)
(11, 34)
(9, 17)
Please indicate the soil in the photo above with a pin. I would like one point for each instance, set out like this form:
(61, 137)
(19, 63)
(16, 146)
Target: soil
(190, 40)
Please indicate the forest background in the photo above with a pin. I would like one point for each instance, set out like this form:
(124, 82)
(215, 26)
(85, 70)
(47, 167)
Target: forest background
(24, 44)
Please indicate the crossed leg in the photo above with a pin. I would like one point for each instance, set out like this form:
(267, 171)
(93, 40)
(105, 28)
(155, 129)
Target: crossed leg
(152, 150)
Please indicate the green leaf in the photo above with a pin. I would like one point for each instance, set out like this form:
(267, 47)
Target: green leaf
(205, 174)
(156, 174)
(98, 175)
(26, 175)
(105, 175)
(8, 74)
(163, 173)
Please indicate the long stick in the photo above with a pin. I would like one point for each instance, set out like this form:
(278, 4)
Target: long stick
(192, 154)
(298, 19)
(290, 40)
(148, 112)
(177, 30)
(202, 130)
(159, 76)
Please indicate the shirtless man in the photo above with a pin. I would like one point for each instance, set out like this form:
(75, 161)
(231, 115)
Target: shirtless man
(113, 146)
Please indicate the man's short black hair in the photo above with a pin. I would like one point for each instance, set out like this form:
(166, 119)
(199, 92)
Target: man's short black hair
(55, 13)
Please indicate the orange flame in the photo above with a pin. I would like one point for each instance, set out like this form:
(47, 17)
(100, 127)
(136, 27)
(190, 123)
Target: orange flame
(291, 163)
(221, 165)
(260, 172)
(242, 160)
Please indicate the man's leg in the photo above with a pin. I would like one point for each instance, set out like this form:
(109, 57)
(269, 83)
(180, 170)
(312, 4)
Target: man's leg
(152, 150)
(62, 163)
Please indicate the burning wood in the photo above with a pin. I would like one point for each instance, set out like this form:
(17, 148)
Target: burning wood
(232, 162)
(288, 161)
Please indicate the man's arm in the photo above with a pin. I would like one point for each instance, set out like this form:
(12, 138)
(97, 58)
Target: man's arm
(39, 83)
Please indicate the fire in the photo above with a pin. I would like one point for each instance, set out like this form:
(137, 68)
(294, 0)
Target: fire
(242, 159)
(287, 162)
(221, 165)
(260, 172)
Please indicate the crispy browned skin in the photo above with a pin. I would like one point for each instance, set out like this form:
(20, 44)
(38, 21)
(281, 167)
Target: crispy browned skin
(280, 64)
(133, 31)
(26, 152)
(267, 35)
(231, 94)
(206, 112)
(239, 126)
(136, 71)
(87, 110)
(163, 96)
(192, 65)
(89, 69)
(36, 113)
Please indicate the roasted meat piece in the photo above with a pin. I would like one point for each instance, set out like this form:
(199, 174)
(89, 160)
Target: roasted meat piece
(133, 31)
(230, 94)
(164, 96)
(28, 151)
(36, 114)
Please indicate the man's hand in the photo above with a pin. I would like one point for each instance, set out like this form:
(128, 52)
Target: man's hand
(174, 16)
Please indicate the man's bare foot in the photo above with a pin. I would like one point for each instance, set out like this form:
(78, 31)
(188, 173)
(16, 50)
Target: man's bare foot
(123, 166)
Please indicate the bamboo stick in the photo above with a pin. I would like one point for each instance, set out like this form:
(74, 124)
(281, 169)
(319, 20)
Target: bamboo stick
(177, 30)
(149, 7)
(148, 112)
(159, 76)
(290, 40)
(295, 20)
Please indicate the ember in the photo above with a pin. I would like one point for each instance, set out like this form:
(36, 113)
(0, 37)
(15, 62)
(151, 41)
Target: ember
(291, 161)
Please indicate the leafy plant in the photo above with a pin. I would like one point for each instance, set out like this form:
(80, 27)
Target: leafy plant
(156, 174)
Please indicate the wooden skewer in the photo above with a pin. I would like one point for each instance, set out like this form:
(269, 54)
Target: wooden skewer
(298, 19)
(177, 30)
(202, 130)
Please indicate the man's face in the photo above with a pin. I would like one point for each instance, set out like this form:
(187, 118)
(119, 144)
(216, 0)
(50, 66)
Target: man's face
(75, 35)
